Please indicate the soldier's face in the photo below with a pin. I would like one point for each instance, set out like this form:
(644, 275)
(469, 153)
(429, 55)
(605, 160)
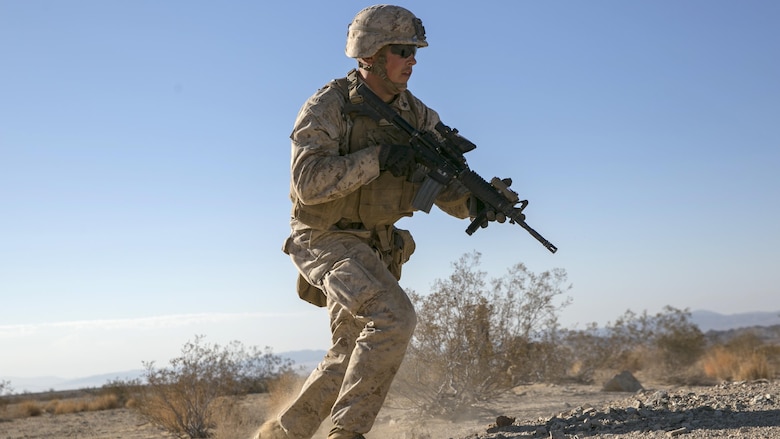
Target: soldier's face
(399, 68)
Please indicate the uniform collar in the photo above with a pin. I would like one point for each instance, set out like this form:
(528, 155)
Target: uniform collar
(401, 101)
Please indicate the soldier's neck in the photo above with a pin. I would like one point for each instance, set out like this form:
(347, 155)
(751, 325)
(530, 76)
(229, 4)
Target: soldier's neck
(377, 85)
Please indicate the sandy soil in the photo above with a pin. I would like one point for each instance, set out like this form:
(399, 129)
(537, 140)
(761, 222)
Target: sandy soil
(525, 401)
(538, 410)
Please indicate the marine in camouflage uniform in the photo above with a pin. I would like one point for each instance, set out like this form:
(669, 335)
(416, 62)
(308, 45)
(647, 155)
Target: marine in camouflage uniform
(352, 179)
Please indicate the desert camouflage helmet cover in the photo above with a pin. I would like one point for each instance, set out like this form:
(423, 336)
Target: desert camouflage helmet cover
(377, 26)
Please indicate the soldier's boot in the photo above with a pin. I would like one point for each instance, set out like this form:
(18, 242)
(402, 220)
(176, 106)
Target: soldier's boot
(337, 433)
(271, 430)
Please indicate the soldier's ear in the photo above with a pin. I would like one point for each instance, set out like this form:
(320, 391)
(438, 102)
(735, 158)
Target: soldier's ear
(369, 61)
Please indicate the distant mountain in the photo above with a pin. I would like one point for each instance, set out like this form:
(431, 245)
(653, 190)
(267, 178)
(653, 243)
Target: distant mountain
(100, 380)
(305, 361)
(44, 384)
(712, 321)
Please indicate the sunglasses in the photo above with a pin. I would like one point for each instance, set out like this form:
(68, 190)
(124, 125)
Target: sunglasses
(403, 50)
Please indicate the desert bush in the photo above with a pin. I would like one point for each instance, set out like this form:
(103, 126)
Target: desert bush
(471, 333)
(744, 357)
(678, 342)
(5, 389)
(123, 390)
(664, 344)
(754, 367)
(51, 405)
(30, 409)
(62, 407)
(772, 353)
(70, 405)
(182, 398)
(239, 418)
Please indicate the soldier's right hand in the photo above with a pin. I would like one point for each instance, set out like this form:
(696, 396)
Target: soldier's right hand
(398, 159)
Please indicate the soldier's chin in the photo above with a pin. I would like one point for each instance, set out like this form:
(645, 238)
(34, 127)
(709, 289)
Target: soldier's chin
(401, 86)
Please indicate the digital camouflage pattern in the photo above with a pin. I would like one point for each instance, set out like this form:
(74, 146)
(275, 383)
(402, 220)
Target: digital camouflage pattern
(334, 158)
(343, 241)
(377, 26)
(372, 321)
(372, 318)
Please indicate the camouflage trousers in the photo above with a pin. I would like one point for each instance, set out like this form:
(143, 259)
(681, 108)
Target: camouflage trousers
(371, 323)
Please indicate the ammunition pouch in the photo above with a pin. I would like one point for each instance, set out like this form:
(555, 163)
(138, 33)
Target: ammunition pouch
(403, 248)
(310, 293)
(395, 246)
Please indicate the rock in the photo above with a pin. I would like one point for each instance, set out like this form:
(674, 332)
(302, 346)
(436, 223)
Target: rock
(659, 399)
(504, 421)
(677, 432)
(623, 382)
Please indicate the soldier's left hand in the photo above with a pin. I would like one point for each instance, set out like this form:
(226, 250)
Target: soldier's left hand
(477, 207)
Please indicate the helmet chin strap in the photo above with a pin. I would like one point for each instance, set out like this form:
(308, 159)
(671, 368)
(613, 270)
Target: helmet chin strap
(379, 69)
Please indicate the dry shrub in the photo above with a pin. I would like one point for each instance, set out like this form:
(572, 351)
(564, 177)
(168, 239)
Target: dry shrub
(184, 398)
(51, 406)
(742, 358)
(30, 409)
(475, 338)
(720, 363)
(70, 406)
(239, 418)
(754, 368)
(665, 346)
(772, 354)
(121, 390)
(635, 359)
(5, 388)
(104, 402)
(78, 405)
(160, 409)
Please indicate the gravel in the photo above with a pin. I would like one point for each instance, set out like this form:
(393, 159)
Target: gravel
(748, 410)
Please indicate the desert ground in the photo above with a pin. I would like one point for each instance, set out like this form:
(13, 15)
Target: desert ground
(747, 410)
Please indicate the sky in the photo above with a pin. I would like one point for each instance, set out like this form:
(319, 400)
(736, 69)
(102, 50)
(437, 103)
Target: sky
(144, 163)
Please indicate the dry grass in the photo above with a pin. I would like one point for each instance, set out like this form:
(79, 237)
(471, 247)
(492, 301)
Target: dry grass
(744, 357)
(30, 408)
(725, 363)
(239, 417)
(102, 402)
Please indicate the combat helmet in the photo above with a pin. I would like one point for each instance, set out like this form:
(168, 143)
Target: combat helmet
(377, 26)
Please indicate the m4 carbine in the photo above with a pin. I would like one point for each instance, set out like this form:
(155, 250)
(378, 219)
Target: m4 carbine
(446, 162)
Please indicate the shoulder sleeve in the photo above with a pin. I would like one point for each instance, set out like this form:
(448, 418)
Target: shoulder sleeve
(319, 172)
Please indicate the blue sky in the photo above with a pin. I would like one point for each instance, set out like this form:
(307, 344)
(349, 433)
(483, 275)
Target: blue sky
(144, 158)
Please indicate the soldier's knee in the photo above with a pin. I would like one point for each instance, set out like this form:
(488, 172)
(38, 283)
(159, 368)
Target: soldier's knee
(391, 310)
(405, 315)
(404, 325)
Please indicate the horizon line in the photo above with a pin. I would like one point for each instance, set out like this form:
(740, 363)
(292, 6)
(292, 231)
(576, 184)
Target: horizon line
(149, 322)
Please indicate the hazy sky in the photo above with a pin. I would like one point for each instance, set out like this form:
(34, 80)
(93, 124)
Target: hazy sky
(144, 162)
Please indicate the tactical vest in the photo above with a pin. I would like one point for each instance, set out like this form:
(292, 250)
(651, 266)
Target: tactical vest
(385, 200)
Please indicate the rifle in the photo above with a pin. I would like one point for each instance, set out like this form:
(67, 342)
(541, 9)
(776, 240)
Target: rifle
(446, 162)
